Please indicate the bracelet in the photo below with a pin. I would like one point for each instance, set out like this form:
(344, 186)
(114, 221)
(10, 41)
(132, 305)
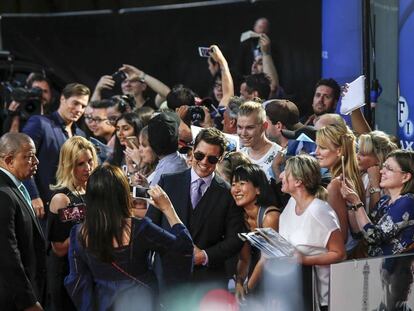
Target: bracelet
(352, 207)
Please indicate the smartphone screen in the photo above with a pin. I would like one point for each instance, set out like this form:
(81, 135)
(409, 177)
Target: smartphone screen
(132, 141)
(140, 192)
(74, 213)
(204, 52)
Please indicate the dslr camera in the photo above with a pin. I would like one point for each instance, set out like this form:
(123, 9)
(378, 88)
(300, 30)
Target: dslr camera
(196, 115)
(30, 99)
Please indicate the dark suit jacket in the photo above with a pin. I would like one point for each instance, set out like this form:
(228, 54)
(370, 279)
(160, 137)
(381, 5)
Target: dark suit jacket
(48, 134)
(213, 225)
(23, 253)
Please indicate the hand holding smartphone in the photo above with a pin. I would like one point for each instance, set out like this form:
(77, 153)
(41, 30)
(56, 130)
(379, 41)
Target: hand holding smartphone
(204, 51)
(132, 142)
(140, 193)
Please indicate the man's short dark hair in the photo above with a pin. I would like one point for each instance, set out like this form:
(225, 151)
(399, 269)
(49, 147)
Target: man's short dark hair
(102, 104)
(212, 136)
(258, 82)
(234, 106)
(37, 77)
(333, 85)
(180, 96)
(75, 89)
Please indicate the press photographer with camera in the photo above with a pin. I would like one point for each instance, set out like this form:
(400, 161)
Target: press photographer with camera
(35, 98)
(132, 81)
(77, 159)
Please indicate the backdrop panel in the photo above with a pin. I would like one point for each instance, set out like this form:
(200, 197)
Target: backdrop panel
(164, 42)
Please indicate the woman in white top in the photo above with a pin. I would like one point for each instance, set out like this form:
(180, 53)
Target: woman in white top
(309, 223)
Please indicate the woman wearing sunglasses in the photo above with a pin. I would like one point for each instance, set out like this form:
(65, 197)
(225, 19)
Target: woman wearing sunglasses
(251, 191)
(389, 227)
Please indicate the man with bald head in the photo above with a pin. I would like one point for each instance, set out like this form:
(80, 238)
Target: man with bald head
(23, 255)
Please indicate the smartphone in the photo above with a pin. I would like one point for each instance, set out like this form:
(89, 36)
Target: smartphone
(140, 192)
(73, 213)
(203, 51)
(132, 142)
(343, 167)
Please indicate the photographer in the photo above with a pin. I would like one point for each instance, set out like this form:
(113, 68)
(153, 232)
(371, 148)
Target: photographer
(190, 109)
(134, 82)
(36, 98)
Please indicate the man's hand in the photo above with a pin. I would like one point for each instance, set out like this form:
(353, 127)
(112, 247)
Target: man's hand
(182, 111)
(199, 256)
(216, 54)
(207, 122)
(105, 82)
(132, 71)
(14, 105)
(265, 44)
(38, 207)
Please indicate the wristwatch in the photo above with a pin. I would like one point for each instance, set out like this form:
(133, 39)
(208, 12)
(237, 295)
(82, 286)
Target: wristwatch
(374, 190)
(142, 77)
(352, 207)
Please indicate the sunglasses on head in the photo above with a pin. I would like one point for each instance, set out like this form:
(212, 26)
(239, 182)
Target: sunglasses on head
(199, 156)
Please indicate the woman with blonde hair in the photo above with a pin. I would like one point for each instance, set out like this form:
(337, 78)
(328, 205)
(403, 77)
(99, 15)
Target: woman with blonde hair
(336, 147)
(76, 161)
(373, 149)
(309, 223)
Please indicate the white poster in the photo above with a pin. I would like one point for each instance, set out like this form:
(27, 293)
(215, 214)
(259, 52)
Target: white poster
(383, 283)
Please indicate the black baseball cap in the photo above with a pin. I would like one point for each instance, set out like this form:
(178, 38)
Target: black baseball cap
(308, 130)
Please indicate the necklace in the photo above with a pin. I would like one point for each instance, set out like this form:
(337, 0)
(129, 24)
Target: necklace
(77, 194)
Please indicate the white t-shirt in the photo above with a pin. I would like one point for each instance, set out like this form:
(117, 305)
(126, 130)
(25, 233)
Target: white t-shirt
(266, 161)
(310, 233)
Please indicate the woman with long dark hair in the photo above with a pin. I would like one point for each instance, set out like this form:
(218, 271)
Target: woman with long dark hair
(251, 191)
(127, 125)
(109, 252)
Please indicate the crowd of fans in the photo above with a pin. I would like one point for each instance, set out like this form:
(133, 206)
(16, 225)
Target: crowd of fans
(114, 200)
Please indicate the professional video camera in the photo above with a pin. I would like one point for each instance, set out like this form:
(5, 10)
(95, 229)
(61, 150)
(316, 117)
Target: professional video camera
(30, 99)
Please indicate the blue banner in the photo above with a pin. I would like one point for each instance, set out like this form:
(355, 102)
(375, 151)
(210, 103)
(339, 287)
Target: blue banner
(406, 71)
(341, 40)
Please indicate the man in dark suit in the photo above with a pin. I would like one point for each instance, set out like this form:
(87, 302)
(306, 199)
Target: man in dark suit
(49, 134)
(203, 202)
(22, 258)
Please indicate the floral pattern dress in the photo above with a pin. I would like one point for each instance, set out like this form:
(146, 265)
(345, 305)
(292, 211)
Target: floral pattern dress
(392, 227)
